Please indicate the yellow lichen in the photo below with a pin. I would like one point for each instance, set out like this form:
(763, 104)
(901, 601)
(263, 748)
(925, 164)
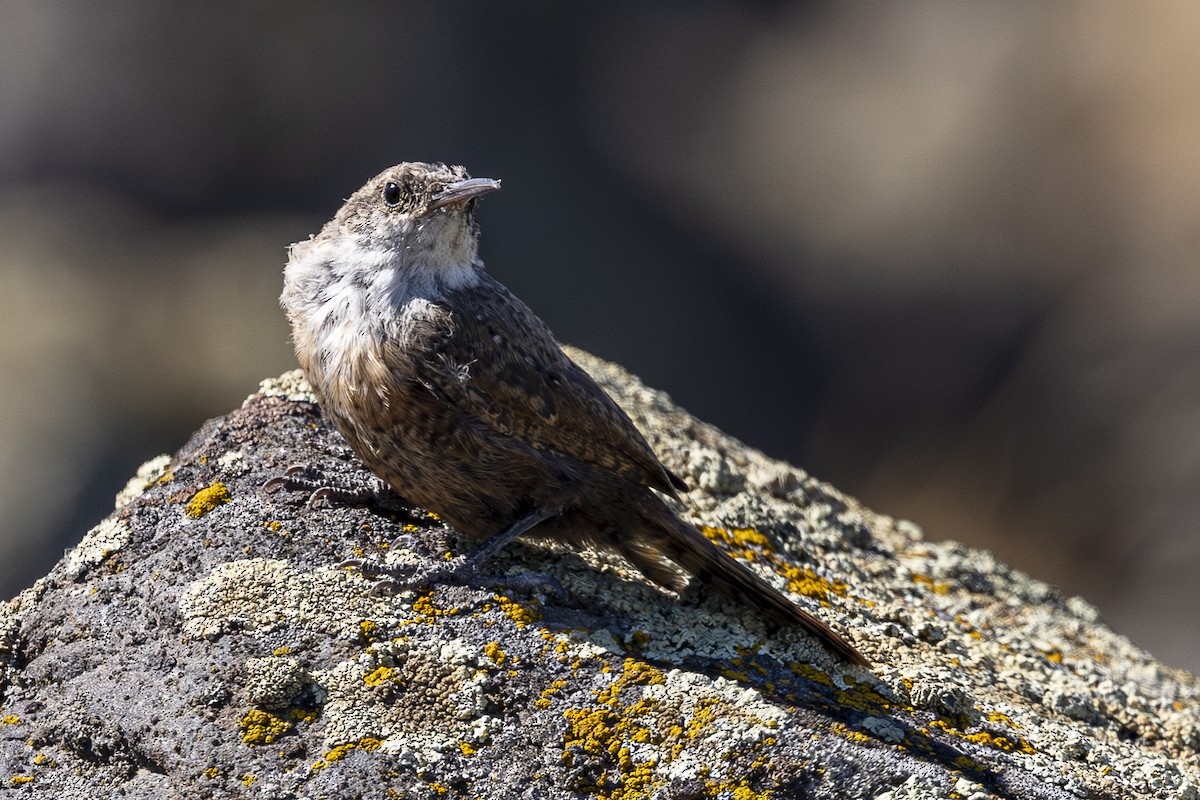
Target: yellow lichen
(750, 545)
(423, 606)
(520, 614)
(366, 629)
(212, 773)
(609, 727)
(855, 736)
(744, 543)
(9, 719)
(248, 779)
(803, 580)
(997, 716)
(207, 499)
(936, 587)
(378, 676)
(367, 743)
(302, 714)
(17, 780)
(1015, 744)
(738, 791)
(281, 651)
(592, 729)
(967, 764)
(1000, 741)
(467, 749)
(703, 716)
(493, 651)
(862, 697)
(554, 688)
(262, 727)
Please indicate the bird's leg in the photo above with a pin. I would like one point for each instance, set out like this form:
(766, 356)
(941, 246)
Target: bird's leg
(456, 570)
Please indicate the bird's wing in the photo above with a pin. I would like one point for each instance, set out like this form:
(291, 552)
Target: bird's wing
(497, 361)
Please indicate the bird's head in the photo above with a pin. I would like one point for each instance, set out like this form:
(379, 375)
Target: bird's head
(423, 213)
(410, 231)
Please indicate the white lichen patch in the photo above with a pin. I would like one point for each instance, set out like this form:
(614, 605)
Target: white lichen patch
(290, 385)
(12, 613)
(915, 788)
(98, 544)
(969, 790)
(419, 699)
(775, 478)
(887, 730)
(272, 682)
(146, 475)
(261, 595)
(232, 462)
(941, 689)
(588, 645)
(708, 470)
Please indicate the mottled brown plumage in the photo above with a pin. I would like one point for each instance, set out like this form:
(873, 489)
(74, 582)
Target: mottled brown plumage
(458, 396)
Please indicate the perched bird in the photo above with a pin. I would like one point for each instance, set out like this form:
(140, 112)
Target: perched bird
(457, 395)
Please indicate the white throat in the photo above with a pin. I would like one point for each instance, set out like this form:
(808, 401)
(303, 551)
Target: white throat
(392, 275)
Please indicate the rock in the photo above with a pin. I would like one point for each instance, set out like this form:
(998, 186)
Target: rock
(200, 642)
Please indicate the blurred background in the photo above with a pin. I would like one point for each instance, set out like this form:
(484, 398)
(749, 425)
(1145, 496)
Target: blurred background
(941, 255)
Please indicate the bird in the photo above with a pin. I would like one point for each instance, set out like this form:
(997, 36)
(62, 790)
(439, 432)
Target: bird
(458, 396)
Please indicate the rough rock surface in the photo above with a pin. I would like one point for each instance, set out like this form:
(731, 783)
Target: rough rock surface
(200, 642)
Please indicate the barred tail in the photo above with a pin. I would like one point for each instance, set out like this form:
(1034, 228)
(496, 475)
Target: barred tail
(667, 540)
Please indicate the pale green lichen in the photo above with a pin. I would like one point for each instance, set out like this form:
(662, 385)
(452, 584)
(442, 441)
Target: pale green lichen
(290, 385)
(152, 472)
(98, 544)
(261, 595)
(272, 682)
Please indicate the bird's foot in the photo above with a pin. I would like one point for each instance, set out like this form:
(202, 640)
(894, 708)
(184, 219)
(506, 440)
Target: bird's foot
(401, 577)
(359, 489)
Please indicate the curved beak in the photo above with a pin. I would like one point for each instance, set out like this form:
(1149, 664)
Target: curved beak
(461, 191)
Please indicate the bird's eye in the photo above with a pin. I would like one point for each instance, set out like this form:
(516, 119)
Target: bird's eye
(391, 194)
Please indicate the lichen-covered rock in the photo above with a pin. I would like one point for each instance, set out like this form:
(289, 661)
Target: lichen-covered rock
(201, 642)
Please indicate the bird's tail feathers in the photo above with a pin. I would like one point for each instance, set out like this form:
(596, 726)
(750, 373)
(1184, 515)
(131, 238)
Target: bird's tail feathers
(667, 541)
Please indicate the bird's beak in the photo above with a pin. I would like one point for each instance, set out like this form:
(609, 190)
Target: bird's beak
(461, 191)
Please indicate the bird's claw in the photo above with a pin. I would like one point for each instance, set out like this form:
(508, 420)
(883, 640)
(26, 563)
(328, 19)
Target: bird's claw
(358, 491)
